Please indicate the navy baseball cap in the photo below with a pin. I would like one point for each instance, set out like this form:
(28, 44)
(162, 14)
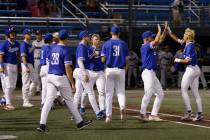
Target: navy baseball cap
(63, 34)
(115, 29)
(147, 34)
(84, 34)
(10, 30)
(48, 36)
(27, 31)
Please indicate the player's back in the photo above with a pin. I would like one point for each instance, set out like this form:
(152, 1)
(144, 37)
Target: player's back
(190, 53)
(44, 53)
(57, 59)
(82, 53)
(116, 51)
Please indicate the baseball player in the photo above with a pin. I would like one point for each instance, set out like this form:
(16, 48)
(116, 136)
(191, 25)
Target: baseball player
(44, 64)
(82, 75)
(191, 74)
(27, 61)
(37, 45)
(59, 100)
(60, 79)
(96, 72)
(8, 65)
(114, 53)
(151, 83)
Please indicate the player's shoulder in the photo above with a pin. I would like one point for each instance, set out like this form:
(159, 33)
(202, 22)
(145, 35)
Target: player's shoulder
(5, 43)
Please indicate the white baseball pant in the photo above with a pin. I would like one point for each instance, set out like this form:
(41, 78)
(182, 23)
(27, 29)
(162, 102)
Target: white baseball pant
(59, 83)
(115, 80)
(9, 80)
(43, 75)
(98, 78)
(28, 81)
(151, 86)
(80, 85)
(37, 74)
(191, 79)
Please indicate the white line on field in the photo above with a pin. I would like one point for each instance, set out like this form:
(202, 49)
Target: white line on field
(183, 123)
(5, 137)
(170, 115)
(163, 114)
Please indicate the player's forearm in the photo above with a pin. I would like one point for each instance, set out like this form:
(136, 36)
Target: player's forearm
(183, 61)
(1, 61)
(157, 39)
(69, 73)
(162, 37)
(81, 66)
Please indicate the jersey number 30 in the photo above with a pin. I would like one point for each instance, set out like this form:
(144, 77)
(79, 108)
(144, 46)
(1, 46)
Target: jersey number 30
(116, 50)
(55, 59)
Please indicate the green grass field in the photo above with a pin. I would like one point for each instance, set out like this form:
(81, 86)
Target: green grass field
(23, 122)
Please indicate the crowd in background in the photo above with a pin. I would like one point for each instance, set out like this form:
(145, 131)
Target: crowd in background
(40, 8)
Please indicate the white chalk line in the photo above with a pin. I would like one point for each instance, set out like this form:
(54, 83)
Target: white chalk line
(4, 137)
(170, 115)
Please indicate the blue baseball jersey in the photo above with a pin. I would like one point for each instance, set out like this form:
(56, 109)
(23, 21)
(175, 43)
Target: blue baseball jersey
(10, 51)
(44, 54)
(115, 51)
(95, 62)
(59, 55)
(190, 53)
(83, 53)
(148, 57)
(27, 50)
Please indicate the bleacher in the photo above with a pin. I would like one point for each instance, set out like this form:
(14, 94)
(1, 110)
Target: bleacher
(151, 11)
(8, 9)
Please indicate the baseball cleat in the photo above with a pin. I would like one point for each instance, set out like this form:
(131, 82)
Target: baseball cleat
(155, 118)
(187, 116)
(42, 128)
(84, 124)
(100, 115)
(27, 104)
(108, 120)
(82, 111)
(2, 101)
(9, 107)
(143, 118)
(199, 117)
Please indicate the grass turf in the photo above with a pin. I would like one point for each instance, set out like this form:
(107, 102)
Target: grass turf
(23, 122)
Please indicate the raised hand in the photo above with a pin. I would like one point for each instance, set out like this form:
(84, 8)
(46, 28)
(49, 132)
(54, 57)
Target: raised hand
(169, 29)
(166, 24)
(159, 28)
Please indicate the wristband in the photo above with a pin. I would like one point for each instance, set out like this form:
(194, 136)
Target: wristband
(177, 60)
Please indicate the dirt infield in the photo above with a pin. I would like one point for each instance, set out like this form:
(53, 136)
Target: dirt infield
(166, 116)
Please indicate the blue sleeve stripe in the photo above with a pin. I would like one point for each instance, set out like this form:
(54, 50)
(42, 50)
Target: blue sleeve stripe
(2, 52)
(81, 58)
(68, 62)
(102, 54)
